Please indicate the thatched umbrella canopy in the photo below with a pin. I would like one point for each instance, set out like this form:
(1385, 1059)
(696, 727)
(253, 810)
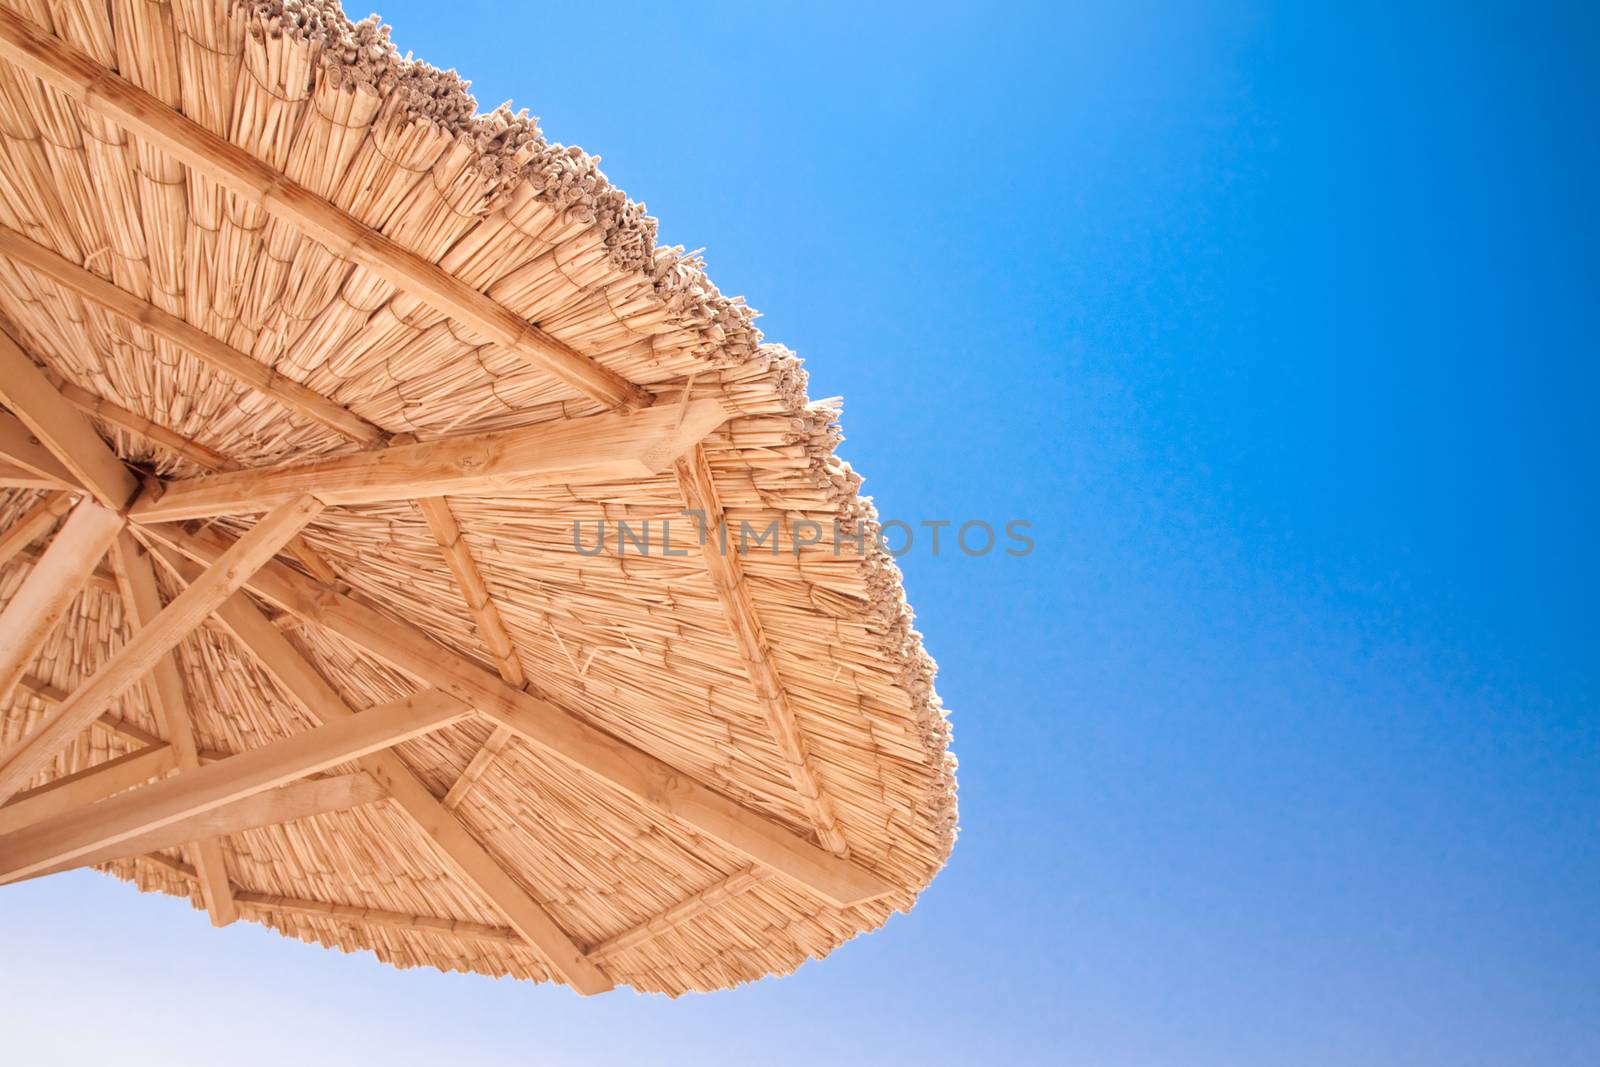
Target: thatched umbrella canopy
(310, 373)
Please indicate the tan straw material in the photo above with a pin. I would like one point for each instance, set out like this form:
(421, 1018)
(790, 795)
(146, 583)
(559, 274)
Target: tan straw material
(240, 236)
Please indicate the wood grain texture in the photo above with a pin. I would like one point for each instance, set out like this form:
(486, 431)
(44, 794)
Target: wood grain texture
(699, 491)
(599, 448)
(133, 659)
(169, 702)
(271, 807)
(116, 415)
(32, 525)
(22, 448)
(50, 588)
(461, 851)
(62, 429)
(104, 823)
(491, 628)
(86, 786)
(654, 783)
(15, 477)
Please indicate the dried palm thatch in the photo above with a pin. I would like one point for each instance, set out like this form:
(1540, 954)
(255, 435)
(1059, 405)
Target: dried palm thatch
(253, 261)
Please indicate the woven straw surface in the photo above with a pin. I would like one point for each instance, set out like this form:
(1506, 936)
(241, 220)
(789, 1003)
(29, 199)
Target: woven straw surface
(637, 645)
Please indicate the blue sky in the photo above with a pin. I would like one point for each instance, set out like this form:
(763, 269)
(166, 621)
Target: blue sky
(1279, 326)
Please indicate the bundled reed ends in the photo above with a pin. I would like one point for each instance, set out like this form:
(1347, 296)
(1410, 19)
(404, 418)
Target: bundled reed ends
(328, 252)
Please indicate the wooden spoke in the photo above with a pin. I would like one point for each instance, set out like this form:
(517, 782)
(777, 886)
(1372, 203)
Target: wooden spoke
(15, 477)
(32, 525)
(477, 867)
(103, 579)
(655, 784)
(38, 467)
(47, 592)
(491, 628)
(104, 93)
(220, 357)
(193, 451)
(476, 767)
(722, 563)
(86, 786)
(169, 700)
(21, 447)
(129, 664)
(62, 428)
(394, 920)
(271, 807)
(108, 721)
(662, 787)
(454, 842)
(100, 578)
(313, 561)
(115, 415)
(412, 356)
(598, 448)
(271, 903)
(682, 912)
(92, 827)
(37, 687)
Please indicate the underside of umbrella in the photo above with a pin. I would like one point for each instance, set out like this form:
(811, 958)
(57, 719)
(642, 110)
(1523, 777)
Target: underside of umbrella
(400, 550)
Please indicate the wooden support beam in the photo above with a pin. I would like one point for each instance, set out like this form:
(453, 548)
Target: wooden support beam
(42, 468)
(689, 908)
(193, 451)
(313, 561)
(116, 725)
(15, 477)
(598, 448)
(271, 807)
(220, 357)
(178, 866)
(739, 608)
(62, 428)
(663, 788)
(86, 786)
(654, 784)
(32, 525)
(103, 93)
(47, 592)
(394, 920)
(473, 863)
(38, 687)
(99, 407)
(169, 701)
(100, 578)
(266, 904)
(491, 629)
(21, 447)
(100, 825)
(454, 843)
(133, 659)
(476, 767)
(108, 721)
(103, 580)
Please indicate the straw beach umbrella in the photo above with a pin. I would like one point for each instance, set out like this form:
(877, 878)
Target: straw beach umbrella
(400, 550)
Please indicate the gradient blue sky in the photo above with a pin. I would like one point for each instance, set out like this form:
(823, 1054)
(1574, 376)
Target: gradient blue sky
(1280, 328)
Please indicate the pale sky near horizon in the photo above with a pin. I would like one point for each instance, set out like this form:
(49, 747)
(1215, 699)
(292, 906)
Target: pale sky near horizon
(1278, 326)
